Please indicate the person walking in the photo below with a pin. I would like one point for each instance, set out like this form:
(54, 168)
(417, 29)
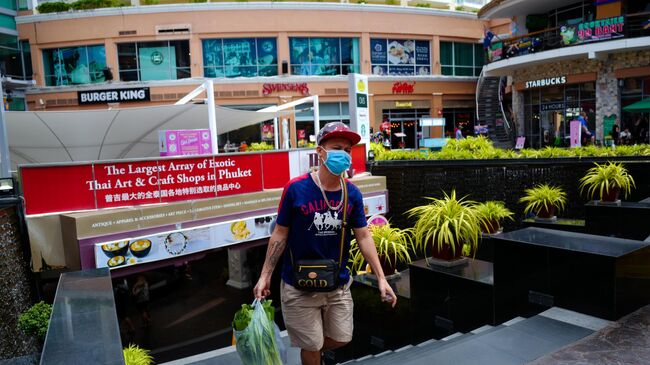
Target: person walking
(312, 235)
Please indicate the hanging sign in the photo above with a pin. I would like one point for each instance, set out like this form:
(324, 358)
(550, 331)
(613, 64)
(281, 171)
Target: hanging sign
(593, 31)
(358, 101)
(548, 81)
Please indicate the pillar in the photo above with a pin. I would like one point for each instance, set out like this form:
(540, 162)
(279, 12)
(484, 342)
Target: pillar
(608, 100)
(518, 111)
(239, 274)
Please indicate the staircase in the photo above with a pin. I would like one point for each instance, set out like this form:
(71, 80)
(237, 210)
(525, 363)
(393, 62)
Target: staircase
(518, 341)
(489, 111)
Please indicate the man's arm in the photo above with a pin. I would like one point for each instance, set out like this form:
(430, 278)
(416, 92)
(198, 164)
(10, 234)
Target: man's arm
(369, 252)
(277, 244)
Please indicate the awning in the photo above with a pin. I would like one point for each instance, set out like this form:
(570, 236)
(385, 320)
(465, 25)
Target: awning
(642, 106)
(86, 135)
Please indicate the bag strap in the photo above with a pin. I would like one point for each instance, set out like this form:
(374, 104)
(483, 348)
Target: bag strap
(344, 221)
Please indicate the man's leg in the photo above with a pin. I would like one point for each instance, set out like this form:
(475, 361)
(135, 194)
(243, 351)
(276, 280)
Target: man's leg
(310, 357)
(330, 344)
(304, 322)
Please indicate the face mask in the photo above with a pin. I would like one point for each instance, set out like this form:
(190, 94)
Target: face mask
(337, 161)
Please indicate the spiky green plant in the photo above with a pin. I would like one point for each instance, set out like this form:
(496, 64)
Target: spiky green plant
(491, 213)
(543, 196)
(443, 222)
(604, 177)
(134, 355)
(394, 245)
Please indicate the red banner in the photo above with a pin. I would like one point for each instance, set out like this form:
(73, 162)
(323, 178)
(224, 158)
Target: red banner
(124, 184)
(190, 178)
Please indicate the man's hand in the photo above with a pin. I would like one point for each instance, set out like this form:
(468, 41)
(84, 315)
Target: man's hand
(262, 288)
(386, 292)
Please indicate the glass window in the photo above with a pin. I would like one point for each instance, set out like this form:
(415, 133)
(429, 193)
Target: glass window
(74, 65)
(461, 59)
(7, 21)
(324, 56)
(26, 53)
(240, 57)
(400, 57)
(144, 61)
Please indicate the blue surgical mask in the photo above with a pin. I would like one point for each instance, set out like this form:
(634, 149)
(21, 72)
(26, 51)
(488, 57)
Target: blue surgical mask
(338, 161)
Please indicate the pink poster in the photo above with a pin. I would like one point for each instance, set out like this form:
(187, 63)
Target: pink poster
(576, 131)
(185, 142)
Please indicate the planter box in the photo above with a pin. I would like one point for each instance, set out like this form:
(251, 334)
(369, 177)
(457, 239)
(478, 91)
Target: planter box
(536, 268)
(447, 300)
(561, 224)
(628, 220)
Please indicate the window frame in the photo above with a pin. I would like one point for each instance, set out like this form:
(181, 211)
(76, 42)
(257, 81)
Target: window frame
(476, 68)
(48, 76)
(350, 67)
(138, 70)
(256, 65)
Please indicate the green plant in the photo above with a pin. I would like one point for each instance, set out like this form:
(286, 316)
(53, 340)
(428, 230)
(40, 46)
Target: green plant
(391, 2)
(393, 247)
(134, 355)
(606, 177)
(153, 2)
(459, 8)
(422, 5)
(491, 213)
(446, 224)
(543, 198)
(53, 7)
(262, 146)
(36, 319)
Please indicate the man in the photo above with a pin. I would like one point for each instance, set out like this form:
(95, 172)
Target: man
(587, 136)
(309, 227)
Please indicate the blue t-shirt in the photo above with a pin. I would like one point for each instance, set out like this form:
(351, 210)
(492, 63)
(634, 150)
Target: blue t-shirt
(315, 229)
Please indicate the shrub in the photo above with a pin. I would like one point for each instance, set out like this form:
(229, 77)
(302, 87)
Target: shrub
(36, 320)
(422, 5)
(391, 2)
(134, 355)
(53, 7)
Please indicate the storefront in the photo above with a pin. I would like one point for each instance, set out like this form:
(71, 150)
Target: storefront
(634, 89)
(551, 103)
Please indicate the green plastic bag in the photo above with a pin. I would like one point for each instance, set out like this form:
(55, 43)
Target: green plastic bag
(259, 343)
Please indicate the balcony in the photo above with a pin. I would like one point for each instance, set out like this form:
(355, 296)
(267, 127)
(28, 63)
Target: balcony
(569, 41)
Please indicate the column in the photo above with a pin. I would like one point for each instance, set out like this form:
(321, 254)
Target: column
(608, 100)
(436, 107)
(364, 57)
(196, 58)
(112, 61)
(240, 275)
(518, 111)
(435, 55)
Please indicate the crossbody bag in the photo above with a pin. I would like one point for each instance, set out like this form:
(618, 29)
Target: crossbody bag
(321, 275)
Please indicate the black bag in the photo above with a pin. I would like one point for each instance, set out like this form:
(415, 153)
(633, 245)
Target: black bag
(321, 275)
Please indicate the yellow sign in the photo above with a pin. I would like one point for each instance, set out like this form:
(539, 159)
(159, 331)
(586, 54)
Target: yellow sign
(361, 86)
(403, 104)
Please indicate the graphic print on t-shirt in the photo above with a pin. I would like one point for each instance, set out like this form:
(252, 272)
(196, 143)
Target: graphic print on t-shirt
(326, 224)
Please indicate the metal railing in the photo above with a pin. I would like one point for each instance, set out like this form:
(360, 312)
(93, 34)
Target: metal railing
(635, 25)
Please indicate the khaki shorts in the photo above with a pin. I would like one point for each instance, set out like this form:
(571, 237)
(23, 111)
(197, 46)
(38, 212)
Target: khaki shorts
(310, 317)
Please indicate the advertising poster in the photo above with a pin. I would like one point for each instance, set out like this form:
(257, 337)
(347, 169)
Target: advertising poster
(575, 133)
(400, 57)
(167, 245)
(594, 31)
(157, 63)
(267, 132)
(185, 142)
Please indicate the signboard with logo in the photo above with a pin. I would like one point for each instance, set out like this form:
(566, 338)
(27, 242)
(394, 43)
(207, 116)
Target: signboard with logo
(593, 31)
(358, 101)
(302, 88)
(156, 63)
(184, 142)
(402, 87)
(575, 133)
(112, 96)
(549, 81)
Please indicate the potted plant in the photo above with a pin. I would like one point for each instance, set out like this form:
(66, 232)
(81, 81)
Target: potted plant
(491, 213)
(608, 180)
(445, 225)
(394, 246)
(544, 200)
(134, 355)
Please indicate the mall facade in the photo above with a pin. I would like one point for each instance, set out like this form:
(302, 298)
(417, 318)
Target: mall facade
(567, 57)
(420, 62)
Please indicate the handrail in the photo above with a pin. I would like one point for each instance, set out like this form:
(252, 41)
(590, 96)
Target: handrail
(479, 83)
(503, 113)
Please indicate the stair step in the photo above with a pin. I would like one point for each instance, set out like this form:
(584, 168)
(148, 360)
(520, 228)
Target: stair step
(575, 318)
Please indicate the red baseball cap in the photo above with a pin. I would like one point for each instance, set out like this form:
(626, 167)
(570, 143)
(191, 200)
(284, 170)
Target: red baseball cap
(337, 130)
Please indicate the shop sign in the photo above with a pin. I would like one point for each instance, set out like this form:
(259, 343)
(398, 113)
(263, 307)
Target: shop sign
(522, 46)
(112, 96)
(120, 184)
(495, 52)
(403, 88)
(184, 142)
(597, 30)
(302, 88)
(552, 106)
(549, 81)
(267, 132)
(403, 104)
